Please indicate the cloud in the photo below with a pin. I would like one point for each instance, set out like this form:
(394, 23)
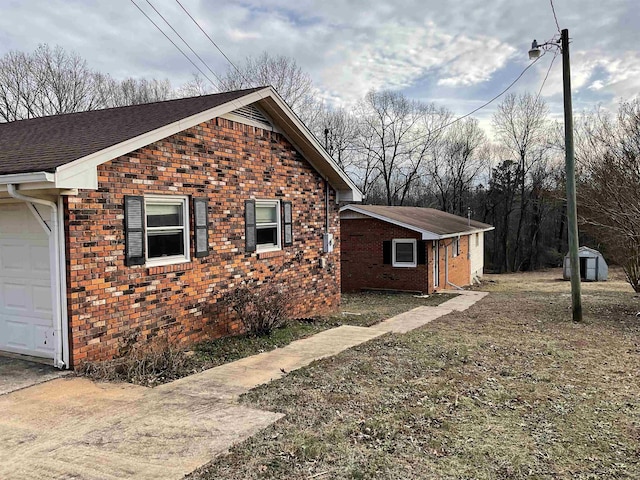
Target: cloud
(465, 50)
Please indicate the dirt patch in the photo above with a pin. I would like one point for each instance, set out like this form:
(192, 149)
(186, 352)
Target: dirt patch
(510, 388)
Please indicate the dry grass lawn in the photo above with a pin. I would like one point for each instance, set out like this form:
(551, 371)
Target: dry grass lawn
(510, 388)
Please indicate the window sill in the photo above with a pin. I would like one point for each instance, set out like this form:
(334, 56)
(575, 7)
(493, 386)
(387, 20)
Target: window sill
(408, 265)
(168, 267)
(270, 254)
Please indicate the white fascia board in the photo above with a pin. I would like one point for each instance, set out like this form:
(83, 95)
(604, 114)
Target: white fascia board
(289, 117)
(82, 173)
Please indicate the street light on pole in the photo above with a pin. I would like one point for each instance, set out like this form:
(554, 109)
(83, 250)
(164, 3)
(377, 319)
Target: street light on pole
(572, 211)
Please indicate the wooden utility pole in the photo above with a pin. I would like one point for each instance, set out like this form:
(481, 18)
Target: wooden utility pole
(572, 211)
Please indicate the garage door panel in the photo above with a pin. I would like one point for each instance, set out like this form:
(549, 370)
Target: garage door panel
(41, 300)
(26, 313)
(39, 256)
(27, 337)
(16, 297)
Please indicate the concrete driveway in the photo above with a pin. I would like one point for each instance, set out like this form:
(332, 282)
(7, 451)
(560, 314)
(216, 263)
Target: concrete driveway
(74, 428)
(16, 374)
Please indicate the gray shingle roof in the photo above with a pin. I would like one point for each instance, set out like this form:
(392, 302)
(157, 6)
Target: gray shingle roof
(427, 219)
(42, 144)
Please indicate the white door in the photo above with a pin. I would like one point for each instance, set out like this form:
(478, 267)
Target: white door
(591, 273)
(26, 315)
(436, 263)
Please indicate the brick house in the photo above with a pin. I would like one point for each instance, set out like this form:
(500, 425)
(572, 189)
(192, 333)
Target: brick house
(408, 249)
(135, 220)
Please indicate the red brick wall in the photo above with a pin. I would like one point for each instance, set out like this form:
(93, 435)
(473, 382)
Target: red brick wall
(362, 262)
(363, 267)
(227, 162)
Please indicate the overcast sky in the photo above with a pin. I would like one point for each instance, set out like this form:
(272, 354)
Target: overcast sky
(455, 53)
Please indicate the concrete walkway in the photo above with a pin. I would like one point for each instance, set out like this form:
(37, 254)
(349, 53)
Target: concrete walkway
(74, 428)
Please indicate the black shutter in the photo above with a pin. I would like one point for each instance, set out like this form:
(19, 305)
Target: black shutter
(287, 221)
(200, 227)
(134, 230)
(250, 225)
(386, 252)
(422, 252)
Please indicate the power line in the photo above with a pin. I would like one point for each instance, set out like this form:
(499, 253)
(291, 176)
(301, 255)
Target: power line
(174, 44)
(490, 101)
(214, 43)
(553, 9)
(546, 76)
(184, 41)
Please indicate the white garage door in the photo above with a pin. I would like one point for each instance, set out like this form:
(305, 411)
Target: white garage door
(26, 317)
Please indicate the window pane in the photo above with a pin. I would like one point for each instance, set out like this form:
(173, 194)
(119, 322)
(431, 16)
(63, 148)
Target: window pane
(268, 236)
(404, 252)
(266, 214)
(164, 244)
(163, 215)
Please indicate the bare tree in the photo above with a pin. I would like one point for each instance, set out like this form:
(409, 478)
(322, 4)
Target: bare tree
(46, 82)
(281, 72)
(460, 155)
(50, 81)
(196, 87)
(521, 125)
(609, 189)
(395, 136)
(133, 91)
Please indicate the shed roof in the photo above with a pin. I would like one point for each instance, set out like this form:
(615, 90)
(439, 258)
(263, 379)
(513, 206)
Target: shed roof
(432, 223)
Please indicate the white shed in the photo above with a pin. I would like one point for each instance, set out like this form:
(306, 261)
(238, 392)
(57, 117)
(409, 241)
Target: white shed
(592, 265)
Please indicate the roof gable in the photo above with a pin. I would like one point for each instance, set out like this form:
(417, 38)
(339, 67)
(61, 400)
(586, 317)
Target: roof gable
(71, 146)
(433, 224)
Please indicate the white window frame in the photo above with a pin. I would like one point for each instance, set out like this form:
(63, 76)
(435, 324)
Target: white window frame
(278, 224)
(168, 200)
(413, 241)
(455, 247)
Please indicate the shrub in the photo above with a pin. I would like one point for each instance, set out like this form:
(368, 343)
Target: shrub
(259, 309)
(151, 363)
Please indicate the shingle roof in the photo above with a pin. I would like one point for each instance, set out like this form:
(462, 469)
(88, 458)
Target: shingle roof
(42, 144)
(423, 219)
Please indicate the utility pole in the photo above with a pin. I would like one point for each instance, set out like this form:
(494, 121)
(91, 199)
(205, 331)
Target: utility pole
(572, 211)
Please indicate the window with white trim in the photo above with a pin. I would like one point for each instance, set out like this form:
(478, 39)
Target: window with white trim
(477, 239)
(404, 252)
(167, 229)
(268, 232)
(455, 247)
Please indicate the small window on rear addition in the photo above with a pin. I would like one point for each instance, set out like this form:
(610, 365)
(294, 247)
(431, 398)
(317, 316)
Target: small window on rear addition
(477, 239)
(455, 247)
(404, 252)
(167, 231)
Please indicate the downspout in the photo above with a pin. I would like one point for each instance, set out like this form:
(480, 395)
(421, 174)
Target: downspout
(446, 269)
(57, 297)
(326, 205)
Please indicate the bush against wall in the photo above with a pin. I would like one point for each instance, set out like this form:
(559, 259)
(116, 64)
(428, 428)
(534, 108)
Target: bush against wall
(260, 308)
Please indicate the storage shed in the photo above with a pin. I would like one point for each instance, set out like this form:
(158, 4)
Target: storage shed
(593, 267)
